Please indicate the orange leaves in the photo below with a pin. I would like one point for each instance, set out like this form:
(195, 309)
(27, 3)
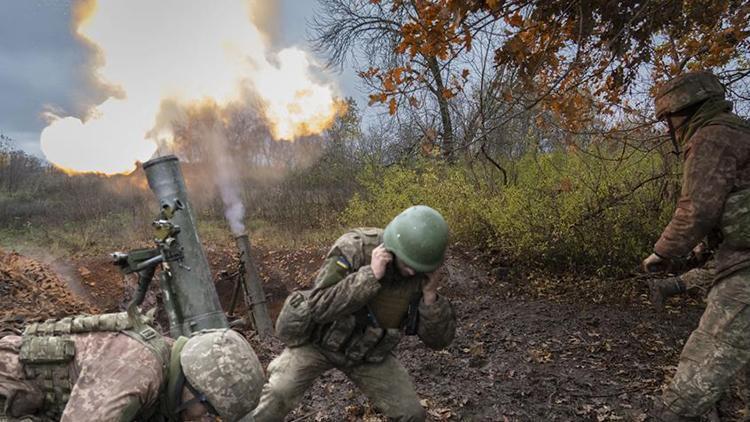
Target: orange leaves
(391, 83)
(572, 109)
(494, 4)
(392, 79)
(378, 98)
(580, 60)
(369, 73)
(516, 47)
(515, 20)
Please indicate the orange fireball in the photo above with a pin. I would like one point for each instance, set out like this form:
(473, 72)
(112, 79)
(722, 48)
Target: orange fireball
(182, 52)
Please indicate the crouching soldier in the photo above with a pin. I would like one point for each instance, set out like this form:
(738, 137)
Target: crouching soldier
(114, 368)
(374, 285)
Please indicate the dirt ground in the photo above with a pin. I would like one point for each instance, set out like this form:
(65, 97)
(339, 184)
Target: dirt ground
(527, 348)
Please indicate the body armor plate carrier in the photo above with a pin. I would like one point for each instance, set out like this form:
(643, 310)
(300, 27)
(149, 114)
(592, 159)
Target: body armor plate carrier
(47, 351)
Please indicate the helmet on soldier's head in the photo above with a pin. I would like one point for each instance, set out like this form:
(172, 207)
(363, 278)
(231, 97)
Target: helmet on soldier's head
(222, 366)
(418, 237)
(685, 90)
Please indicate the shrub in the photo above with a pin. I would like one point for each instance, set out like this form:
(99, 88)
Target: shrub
(560, 211)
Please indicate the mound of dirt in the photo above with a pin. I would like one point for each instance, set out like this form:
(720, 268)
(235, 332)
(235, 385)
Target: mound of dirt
(31, 291)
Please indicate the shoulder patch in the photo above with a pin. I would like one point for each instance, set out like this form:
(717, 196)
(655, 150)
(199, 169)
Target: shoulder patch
(343, 263)
(335, 269)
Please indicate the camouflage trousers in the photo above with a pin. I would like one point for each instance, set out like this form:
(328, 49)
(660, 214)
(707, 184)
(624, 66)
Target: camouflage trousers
(17, 396)
(387, 384)
(716, 352)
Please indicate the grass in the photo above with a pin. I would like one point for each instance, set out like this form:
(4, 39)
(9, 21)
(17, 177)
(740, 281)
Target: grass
(112, 233)
(267, 235)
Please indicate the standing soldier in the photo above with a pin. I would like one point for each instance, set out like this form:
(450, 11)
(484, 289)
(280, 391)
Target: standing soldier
(373, 285)
(715, 197)
(114, 368)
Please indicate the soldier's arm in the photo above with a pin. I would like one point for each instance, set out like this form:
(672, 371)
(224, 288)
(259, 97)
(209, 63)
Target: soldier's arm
(708, 177)
(437, 323)
(340, 291)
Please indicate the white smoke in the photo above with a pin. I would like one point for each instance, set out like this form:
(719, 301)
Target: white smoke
(212, 133)
(234, 209)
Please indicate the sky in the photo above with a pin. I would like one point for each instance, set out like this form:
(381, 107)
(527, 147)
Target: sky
(42, 64)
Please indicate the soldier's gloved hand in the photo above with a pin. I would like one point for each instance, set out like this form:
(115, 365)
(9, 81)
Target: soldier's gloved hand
(699, 255)
(380, 260)
(656, 264)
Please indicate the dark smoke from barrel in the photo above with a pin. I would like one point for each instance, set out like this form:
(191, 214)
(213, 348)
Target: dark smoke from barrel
(192, 290)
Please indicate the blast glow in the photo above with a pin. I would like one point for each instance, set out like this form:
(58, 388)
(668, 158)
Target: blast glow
(185, 51)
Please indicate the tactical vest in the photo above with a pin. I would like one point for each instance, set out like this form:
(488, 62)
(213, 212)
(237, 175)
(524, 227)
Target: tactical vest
(373, 332)
(735, 220)
(47, 351)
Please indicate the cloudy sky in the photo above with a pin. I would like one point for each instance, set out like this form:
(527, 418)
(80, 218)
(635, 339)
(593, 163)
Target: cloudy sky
(42, 64)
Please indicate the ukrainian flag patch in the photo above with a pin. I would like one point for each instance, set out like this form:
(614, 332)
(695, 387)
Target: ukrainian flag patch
(343, 263)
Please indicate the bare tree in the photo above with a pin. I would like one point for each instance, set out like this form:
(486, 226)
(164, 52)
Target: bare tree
(370, 32)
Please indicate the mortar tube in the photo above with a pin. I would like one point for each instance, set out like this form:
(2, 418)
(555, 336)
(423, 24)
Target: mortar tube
(255, 298)
(194, 294)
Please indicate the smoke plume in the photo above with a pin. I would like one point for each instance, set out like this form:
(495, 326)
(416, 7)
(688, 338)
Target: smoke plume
(185, 52)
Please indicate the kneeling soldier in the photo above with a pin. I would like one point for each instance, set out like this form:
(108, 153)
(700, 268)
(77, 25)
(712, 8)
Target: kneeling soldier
(373, 285)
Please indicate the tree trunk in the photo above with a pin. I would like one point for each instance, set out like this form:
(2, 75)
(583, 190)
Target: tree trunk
(445, 117)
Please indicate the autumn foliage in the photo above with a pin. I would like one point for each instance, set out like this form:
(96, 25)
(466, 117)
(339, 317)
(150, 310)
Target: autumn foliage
(571, 56)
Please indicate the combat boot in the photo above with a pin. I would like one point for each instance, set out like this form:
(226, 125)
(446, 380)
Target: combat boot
(663, 289)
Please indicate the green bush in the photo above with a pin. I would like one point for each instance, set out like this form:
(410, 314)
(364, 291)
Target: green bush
(560, 211)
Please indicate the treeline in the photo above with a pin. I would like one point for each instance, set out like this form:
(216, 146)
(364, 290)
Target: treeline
(538, 202)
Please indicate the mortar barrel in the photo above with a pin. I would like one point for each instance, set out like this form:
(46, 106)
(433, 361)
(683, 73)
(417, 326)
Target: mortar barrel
(255, 298)
(194, 292)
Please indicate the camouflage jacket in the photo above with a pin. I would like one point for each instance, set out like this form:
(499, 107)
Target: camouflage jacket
(113, 375)
(346, 285)
(717, 163)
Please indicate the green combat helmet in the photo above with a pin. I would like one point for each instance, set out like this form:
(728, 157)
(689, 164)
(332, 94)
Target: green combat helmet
(685, 90)
(418, 237)
(222, 366)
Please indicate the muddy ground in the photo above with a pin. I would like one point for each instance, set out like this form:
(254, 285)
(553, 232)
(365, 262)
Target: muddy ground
(528, 347)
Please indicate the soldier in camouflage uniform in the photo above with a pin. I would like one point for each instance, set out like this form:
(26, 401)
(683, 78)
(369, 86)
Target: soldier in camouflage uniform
(114, 368)
(374, 285)
(715, 197)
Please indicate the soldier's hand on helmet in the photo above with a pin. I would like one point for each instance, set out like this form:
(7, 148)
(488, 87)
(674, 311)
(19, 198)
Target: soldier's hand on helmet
(656, 264)
(430, 286)
(380, 260)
